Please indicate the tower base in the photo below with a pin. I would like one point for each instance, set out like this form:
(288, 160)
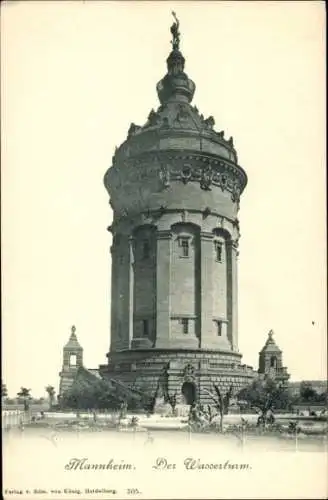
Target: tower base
(190, 373)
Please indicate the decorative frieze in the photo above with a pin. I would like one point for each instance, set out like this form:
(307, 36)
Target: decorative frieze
(164, 175)
(209, 172)
(206, 178)
(185, 173)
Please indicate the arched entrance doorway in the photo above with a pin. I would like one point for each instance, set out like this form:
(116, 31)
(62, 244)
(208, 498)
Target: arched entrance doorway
(188, 390)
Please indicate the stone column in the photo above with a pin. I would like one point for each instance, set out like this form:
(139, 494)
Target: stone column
(232, 249)
(114, 315)
(120, 306)
(163, 298)
(207, 330)
(131, 289)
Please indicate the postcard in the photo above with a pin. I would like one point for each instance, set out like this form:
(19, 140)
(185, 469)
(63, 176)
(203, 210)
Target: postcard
(163, 250)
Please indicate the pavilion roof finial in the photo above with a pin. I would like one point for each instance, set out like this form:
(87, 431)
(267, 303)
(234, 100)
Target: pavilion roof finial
(72, 343)
(175, 32)
(73, 334)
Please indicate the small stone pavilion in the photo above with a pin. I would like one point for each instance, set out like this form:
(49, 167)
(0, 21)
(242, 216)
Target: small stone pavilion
(72, 360)
(270, 361)
(73, 366)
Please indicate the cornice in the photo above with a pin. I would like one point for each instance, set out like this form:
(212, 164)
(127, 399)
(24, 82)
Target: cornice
(123, 225)
(206, 235)
(163, 235)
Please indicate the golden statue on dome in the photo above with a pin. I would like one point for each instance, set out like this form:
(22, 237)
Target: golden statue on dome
(175, 33)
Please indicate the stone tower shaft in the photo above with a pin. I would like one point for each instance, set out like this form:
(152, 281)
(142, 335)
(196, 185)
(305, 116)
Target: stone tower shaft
(175, 186)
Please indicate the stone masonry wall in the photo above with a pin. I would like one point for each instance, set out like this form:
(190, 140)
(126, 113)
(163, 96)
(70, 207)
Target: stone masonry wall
(142, 369)
(168, 287)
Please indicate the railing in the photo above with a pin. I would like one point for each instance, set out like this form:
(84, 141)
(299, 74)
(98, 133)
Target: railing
(12, 418)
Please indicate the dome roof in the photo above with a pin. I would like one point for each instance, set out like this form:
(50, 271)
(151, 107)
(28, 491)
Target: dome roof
(175, 85)
(176, 143)
(176, 117)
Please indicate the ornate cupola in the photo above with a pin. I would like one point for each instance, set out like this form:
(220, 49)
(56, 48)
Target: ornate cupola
(174, 186)
(175, 86)
(176, 127)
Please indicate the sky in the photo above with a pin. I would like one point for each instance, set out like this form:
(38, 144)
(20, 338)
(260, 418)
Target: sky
(74, 76)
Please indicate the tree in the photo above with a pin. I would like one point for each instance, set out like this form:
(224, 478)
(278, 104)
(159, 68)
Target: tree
(24, 394)
(96, 393)
(4, 391)
(323, 398)
(307, 393)
(51, 394)
(265, 395)
(221, 402)
(85, 395)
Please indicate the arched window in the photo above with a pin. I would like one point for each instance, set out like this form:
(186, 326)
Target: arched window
(218, 250)
(273, 362)
(221, 239)
(186, 235)
(185, 247)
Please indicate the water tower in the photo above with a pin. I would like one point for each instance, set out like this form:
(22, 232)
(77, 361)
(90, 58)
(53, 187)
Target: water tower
(175, 186)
